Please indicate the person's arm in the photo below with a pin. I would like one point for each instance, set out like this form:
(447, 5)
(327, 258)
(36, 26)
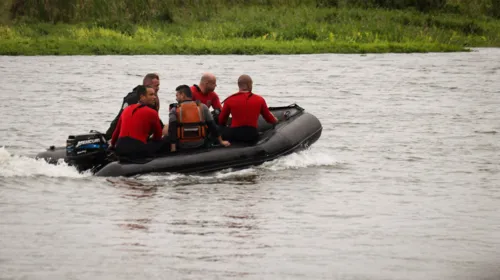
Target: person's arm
(268, 116)
(116, 133)
(157, 131)
(164, 131)
(212, 126)
(216, 102)
(172, 135)
(224, 115)
(172, 129)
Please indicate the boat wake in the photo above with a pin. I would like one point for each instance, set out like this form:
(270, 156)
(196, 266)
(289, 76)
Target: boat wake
(304, 159)
(21, 166)
(308, 158)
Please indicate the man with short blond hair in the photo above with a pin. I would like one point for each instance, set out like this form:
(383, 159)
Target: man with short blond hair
(204, 92)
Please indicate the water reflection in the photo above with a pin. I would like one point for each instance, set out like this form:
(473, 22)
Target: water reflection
(137, 189)
(136, 224)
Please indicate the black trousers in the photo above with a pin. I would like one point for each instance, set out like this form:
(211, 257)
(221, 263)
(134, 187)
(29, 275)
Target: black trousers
(243, 134)
(131, 148)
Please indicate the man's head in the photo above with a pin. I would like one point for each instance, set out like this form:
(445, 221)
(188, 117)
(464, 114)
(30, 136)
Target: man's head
(152, 80)
(183, 93)
(208, 82)
(147, 95)
(245, 83)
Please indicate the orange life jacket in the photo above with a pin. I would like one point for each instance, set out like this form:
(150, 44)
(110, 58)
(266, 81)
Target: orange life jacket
(191, 125)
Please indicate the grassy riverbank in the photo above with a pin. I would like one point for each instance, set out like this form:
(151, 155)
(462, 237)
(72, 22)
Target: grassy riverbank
(254, 29)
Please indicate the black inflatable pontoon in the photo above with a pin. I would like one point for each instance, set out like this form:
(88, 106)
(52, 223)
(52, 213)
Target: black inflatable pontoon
(295, 131)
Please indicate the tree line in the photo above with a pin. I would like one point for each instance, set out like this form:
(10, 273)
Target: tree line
(137, 11)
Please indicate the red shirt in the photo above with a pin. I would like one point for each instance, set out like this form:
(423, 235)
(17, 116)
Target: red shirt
(137, 123)
(245, 108)
(210, 99)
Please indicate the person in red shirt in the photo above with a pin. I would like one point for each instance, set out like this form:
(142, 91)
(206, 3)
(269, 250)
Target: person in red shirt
(205, 91)
(150, 80)
(135, 125)
(245, 108)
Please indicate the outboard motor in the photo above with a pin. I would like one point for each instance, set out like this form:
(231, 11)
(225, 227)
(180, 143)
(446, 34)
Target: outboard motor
(86, 151)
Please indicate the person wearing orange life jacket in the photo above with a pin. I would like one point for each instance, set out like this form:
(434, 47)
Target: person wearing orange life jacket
(189, 122)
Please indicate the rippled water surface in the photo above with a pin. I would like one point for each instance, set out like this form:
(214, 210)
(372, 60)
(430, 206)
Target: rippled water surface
(403, 183)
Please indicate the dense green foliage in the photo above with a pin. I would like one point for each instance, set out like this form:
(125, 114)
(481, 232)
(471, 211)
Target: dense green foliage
(140, 11)
(245, 26)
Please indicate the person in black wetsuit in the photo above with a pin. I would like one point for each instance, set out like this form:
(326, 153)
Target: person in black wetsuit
(150, 80)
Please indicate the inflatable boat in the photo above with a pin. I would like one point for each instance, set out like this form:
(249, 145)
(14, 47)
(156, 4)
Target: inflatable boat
(295, 131)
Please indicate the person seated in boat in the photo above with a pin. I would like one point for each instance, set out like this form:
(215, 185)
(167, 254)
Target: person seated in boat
(204, 92)
(137, 121)
(150, 80)
(189, 122)
(245, 108)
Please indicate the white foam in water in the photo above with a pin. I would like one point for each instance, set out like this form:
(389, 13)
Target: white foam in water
(167, 177)
(228, 174)
(303, 159)
(20, 166)
(221, 175)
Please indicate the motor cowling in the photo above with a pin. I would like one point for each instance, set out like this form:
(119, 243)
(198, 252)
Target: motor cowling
(85, 151)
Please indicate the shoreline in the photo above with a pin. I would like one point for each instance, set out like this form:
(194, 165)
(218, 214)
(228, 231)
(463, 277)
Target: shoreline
(250, 47)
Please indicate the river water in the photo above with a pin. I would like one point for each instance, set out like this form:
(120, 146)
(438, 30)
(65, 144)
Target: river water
(404, 182)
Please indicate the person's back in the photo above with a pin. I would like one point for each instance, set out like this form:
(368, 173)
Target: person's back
(191, 124)
(245, 108)
(190, 121)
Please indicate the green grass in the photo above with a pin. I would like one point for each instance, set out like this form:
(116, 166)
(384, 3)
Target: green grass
(256, 29)
(104, 46)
